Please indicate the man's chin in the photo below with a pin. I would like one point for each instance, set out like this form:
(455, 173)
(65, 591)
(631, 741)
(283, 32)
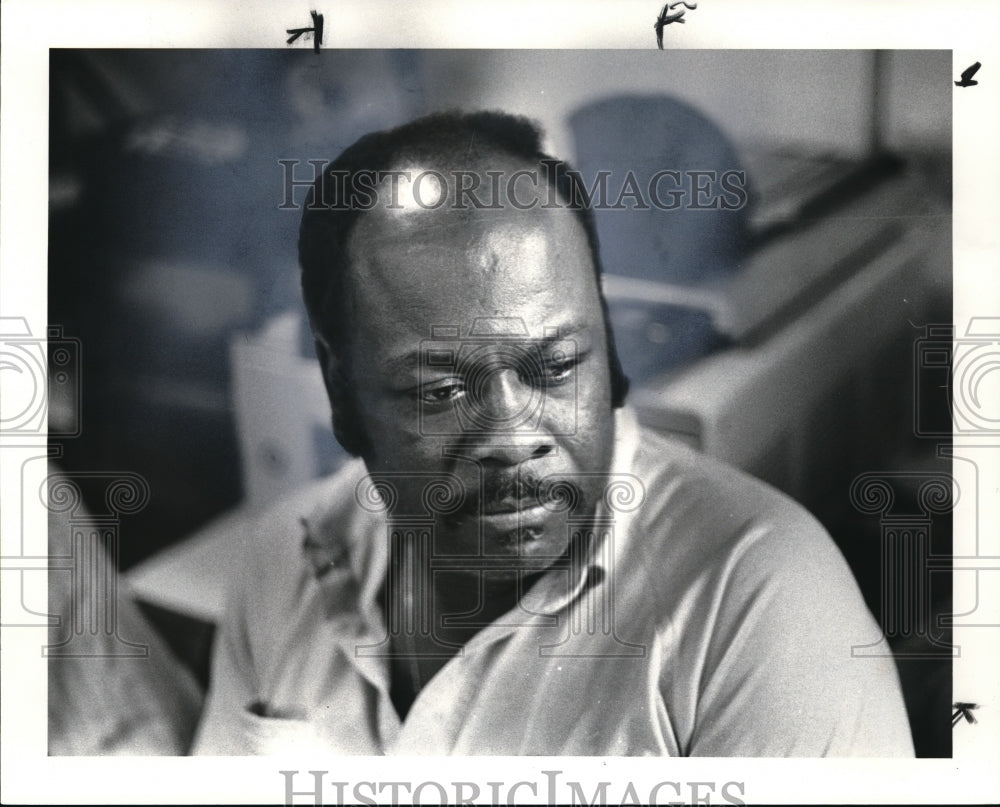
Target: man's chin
(532, 539)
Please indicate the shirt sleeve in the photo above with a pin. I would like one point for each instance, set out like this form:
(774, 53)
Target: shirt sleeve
(778, 676)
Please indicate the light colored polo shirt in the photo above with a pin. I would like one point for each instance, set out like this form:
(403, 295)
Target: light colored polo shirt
(712, 617)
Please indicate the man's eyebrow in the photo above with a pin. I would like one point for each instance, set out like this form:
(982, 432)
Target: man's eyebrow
(400, 364)
(432, 356)
(563, 332)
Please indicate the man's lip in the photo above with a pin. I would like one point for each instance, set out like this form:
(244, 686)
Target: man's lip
(530, 516)
(509, 506)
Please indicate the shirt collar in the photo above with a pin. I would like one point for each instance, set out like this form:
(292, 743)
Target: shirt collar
(560, 587)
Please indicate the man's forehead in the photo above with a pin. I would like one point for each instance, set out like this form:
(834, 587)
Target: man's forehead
(465, 229)
(450, 261)
(459, 190)
(436, 205)
(520, 248)
(536, 268)
(516, 249)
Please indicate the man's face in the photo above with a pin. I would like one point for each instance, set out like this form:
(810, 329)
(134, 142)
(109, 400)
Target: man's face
(479, 352)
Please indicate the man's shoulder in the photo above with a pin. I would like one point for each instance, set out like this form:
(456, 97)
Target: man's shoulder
(723, 555)
(319, 519)
(674, 473)
(701, 515)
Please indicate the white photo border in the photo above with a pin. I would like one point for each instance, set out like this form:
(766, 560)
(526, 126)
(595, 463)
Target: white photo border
(970, 29)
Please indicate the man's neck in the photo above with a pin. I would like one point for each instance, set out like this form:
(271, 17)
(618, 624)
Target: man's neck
(437, 614)
(452, 606)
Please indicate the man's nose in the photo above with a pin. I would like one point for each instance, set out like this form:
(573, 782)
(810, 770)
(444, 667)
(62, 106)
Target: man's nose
(504, 400)
(508, 423)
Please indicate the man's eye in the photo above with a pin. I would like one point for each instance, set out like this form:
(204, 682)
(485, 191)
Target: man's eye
(561, 370)
(442, 392)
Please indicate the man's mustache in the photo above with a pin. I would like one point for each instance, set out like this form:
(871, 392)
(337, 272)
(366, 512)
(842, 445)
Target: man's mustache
(519, 490)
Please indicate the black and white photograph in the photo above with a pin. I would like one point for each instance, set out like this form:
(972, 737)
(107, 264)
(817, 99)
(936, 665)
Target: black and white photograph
(458, 422)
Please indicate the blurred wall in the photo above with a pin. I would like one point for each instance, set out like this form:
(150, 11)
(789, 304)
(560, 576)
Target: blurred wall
(815, 99)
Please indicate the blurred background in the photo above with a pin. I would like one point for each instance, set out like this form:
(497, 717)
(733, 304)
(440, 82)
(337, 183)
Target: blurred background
(789, 337)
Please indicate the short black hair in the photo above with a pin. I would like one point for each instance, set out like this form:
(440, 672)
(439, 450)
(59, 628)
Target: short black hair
(327, 223)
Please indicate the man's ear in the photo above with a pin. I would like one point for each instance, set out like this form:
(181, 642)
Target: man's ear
(347, 427)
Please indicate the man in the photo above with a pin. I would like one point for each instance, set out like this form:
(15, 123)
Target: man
(514, 565)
